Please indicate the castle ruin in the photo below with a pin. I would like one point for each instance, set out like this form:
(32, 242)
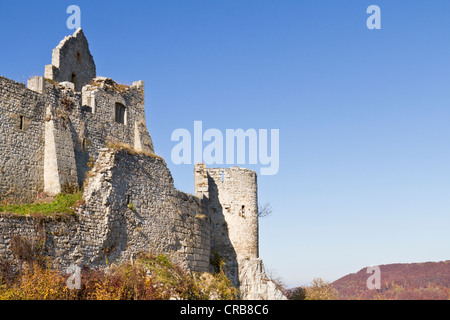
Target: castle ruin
(72, 129)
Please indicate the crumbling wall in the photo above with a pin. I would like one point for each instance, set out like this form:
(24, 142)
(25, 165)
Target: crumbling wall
(21, 141)
(93, 123)
(72, 61)
(51, 135)
(54, 237)
(60, 170)
(131, 206)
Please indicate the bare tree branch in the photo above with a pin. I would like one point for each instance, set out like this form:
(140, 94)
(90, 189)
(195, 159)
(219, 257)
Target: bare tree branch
(264, 210)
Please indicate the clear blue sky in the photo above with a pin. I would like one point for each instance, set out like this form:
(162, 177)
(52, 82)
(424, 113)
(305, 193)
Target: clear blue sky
(363, 115)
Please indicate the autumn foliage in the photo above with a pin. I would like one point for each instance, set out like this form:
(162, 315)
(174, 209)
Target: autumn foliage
(318, 289)
(148, 278)
(415, 281)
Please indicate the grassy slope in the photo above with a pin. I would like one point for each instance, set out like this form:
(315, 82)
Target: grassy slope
(62, 204)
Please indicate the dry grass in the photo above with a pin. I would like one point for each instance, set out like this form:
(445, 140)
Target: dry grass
(150, 277)
(53, 82)
(116, 145)
(110, 85)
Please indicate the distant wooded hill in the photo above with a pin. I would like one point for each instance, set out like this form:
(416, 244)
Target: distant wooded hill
(414, 281)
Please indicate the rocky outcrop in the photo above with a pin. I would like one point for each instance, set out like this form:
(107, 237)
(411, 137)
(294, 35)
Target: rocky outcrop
(254, 283)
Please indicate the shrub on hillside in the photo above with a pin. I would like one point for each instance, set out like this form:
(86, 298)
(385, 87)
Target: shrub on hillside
(148, 278)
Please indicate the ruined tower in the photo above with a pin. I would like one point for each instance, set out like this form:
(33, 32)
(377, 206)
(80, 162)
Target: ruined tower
(230, 196)
(232, 204)
(52, 130)
(72, 61)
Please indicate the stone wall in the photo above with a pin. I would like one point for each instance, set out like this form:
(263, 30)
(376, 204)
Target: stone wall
(233, 208)
(72, 61)
(231, 198)
(59, 237)
(131, 206)
(21, 141)
(93, 124)
(51, 135)
(60, 168)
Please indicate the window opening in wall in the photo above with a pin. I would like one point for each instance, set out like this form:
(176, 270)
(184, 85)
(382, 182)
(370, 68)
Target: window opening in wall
(243, 211)
(83, 145)
(120, 113)
(74, 79)
(21, 123)
(79, 57)
(223, 176)
(128, 199)
(86, 109)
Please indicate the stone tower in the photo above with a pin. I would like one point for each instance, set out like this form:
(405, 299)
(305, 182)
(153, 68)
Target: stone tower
(231, 200)
(232, 204)
(72, 61)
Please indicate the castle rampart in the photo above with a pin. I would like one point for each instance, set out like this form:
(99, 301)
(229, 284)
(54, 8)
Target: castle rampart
(130, 206)
(21, 141)
(52, 131)
(72, 62)
(63, 133)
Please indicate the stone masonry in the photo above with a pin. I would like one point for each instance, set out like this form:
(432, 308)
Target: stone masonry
(231, 198)
(130, 206)
(72, 62)
(72, 129)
